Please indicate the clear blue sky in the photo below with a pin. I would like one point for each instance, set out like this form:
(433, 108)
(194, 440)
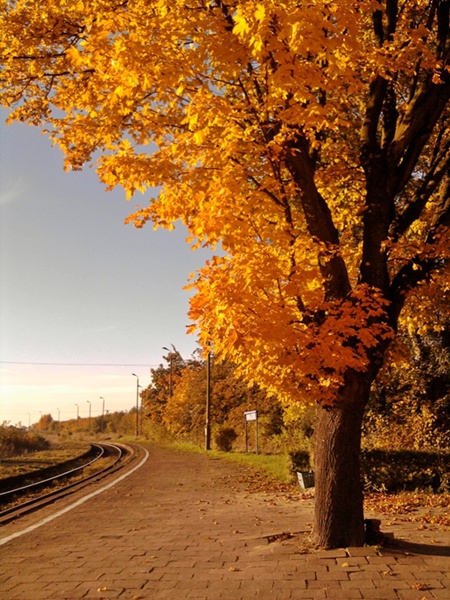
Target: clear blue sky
(78, 287)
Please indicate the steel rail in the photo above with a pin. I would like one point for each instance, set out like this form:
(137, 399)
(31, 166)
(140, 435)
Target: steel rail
(42, 482)
(35, 503)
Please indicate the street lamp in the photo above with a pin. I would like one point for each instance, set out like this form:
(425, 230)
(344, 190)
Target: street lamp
(89, 421)
(103, 413)
(137, 404)
(171, 370)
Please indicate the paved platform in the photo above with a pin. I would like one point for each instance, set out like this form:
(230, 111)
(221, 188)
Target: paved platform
(187, 526)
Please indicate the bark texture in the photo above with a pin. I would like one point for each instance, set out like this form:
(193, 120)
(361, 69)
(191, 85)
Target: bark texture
(339, 516)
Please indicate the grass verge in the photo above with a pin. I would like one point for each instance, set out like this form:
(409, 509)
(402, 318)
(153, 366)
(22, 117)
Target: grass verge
(274, 466)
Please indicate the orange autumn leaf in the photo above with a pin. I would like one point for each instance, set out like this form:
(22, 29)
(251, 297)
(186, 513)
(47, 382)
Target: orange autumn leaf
(306, 142)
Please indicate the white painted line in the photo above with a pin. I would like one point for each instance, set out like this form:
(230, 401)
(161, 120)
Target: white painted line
(79, 502)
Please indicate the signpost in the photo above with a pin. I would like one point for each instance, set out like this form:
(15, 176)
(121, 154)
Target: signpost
(251, 415)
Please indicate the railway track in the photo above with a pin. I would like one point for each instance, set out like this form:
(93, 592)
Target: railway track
(21, 500)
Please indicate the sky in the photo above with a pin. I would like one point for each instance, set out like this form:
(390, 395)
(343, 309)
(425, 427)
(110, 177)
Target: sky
(85, 300)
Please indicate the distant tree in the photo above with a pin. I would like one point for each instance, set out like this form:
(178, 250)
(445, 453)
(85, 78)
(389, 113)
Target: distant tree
(45, 423)
(98, 424)
(184, 412)
(15, 441)
(164, 380)
(121, 422)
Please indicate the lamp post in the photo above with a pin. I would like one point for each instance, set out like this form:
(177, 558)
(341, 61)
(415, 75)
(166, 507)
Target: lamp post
(137, 404)
(89, 421)
(171, 370)
(141, 412)
(103, 414)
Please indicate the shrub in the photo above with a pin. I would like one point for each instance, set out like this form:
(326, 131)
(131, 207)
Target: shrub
(224, 438)
(398, 470)
(14, 441)
(298, 461)
(393, 470)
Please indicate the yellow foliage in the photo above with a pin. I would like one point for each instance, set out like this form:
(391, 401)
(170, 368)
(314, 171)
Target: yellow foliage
(256, 125)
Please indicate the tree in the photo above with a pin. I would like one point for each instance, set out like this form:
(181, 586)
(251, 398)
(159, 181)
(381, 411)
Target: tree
(410, 400)
(184, 411)
(310, 139)
(45, 422)
(164, 381)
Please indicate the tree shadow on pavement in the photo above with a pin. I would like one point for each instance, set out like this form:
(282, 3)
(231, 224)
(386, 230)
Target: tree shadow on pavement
(403, 546)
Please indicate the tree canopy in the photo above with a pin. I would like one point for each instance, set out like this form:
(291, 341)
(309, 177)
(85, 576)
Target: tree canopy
(310, 139)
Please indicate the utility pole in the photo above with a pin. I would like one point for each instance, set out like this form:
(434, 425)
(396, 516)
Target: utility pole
(103, 414)
(208, 402)
(137, 404)
(171, 371)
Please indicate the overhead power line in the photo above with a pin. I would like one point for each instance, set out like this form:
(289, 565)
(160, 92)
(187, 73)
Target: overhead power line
(61, 364)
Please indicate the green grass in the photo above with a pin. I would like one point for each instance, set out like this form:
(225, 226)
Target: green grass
(273, 465)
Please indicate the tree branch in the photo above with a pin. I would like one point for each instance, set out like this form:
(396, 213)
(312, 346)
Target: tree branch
(391, 18)
(368, 135)
(318, 218)
(437, 172)
(420, 267)
(408, 278)
(415, 129)
(442, 214)
(390, 116)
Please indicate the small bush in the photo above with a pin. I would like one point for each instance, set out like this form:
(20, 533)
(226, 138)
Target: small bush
(298, 461)
(225, 438)
(409, 470)
(14, 441)
(393, 470)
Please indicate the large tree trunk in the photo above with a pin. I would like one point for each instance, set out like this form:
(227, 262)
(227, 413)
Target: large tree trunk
(339, 518)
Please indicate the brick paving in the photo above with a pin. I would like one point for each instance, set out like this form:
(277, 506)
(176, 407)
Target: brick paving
(186, 526)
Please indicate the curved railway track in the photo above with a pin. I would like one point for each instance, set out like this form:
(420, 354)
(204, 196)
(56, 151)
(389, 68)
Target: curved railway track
(18, 501)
